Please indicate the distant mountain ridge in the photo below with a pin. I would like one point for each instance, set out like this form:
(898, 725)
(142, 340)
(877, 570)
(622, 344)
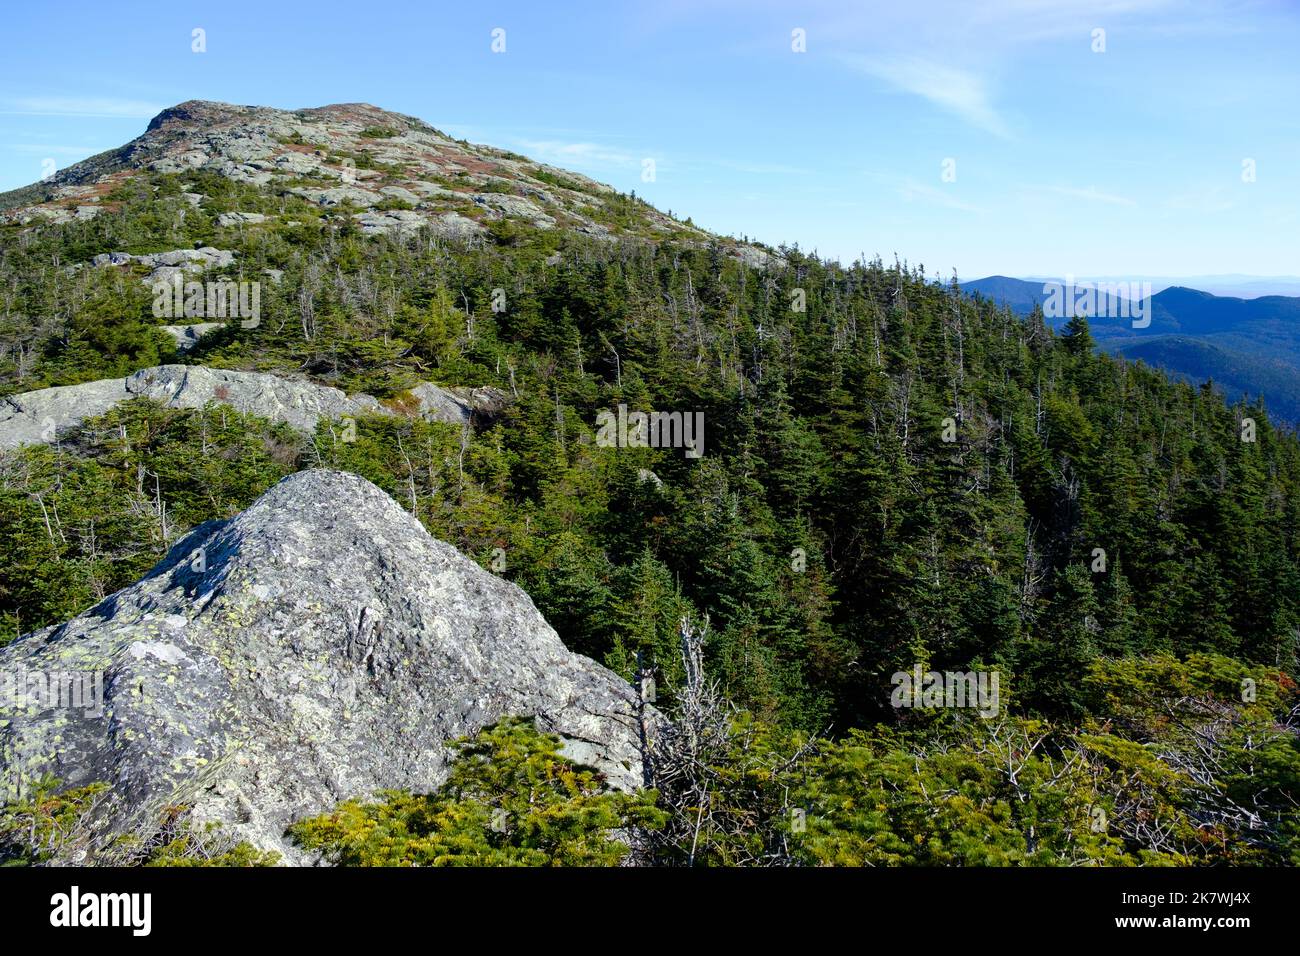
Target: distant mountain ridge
(1232, 285)
(1247, 346)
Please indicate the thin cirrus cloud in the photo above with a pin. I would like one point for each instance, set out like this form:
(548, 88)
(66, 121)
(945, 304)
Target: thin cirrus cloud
(1206, 200)
(99, 107)
(924, 36)
(595, 155)
(1090, 194)
(46, 149)
(578, 154)
(962, 93)
(911, 191)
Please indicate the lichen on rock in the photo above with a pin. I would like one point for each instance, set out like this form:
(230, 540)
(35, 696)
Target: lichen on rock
(319, 646)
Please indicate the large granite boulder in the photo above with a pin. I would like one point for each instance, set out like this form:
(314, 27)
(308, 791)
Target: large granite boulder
(319, 646)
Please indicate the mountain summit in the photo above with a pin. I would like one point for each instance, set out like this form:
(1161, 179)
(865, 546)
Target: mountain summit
(388, 171)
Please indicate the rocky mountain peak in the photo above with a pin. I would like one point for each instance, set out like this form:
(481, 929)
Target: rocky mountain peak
(392, 173)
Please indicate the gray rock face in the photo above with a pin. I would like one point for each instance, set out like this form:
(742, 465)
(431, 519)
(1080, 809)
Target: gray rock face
(337, 195)
(449, 225)
(403, 194)
(169, 266)
(513, 207)
(238, 218)
(40, 416)
(187, 336)
(53, 214)
(394, 220)
(452, 225)
(301, 404)
(205, 258)
(318, 646)
(460, 404)
(43, 415)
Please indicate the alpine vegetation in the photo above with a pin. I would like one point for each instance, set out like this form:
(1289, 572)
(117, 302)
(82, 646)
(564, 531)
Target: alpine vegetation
(366, 470)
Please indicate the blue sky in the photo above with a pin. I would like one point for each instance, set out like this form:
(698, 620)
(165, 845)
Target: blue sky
(1126, 162)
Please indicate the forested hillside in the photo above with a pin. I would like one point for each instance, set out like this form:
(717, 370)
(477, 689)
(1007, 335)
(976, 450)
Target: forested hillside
(893, 474)
(1246, 347)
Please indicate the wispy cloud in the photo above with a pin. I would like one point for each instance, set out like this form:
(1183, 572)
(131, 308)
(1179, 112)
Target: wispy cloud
(48, 149)
(101, 107)
(1212, 199)
(1091, 194)
(961, 92)
(578, 154)
(912, 190)
(952, 52)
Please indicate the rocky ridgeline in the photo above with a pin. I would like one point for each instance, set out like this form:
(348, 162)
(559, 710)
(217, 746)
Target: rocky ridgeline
(169, 266)
(176, 263)
(396, 173)
(44, 415)
(318, 646)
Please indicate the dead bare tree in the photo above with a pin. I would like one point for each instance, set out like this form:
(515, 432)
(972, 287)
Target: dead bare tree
(707, 768)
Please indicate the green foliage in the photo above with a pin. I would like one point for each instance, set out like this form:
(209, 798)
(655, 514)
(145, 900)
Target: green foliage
(824, 439)
(187, 846)
(555, 179)
(1174, 769)
(985, 795)
(511, 800)
(94, 514)
(38, 825)
(835, 531)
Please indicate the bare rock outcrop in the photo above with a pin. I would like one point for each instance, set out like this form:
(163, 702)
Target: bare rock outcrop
(319, 646)
(45, 414)
(356, 159)
(187, 336)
